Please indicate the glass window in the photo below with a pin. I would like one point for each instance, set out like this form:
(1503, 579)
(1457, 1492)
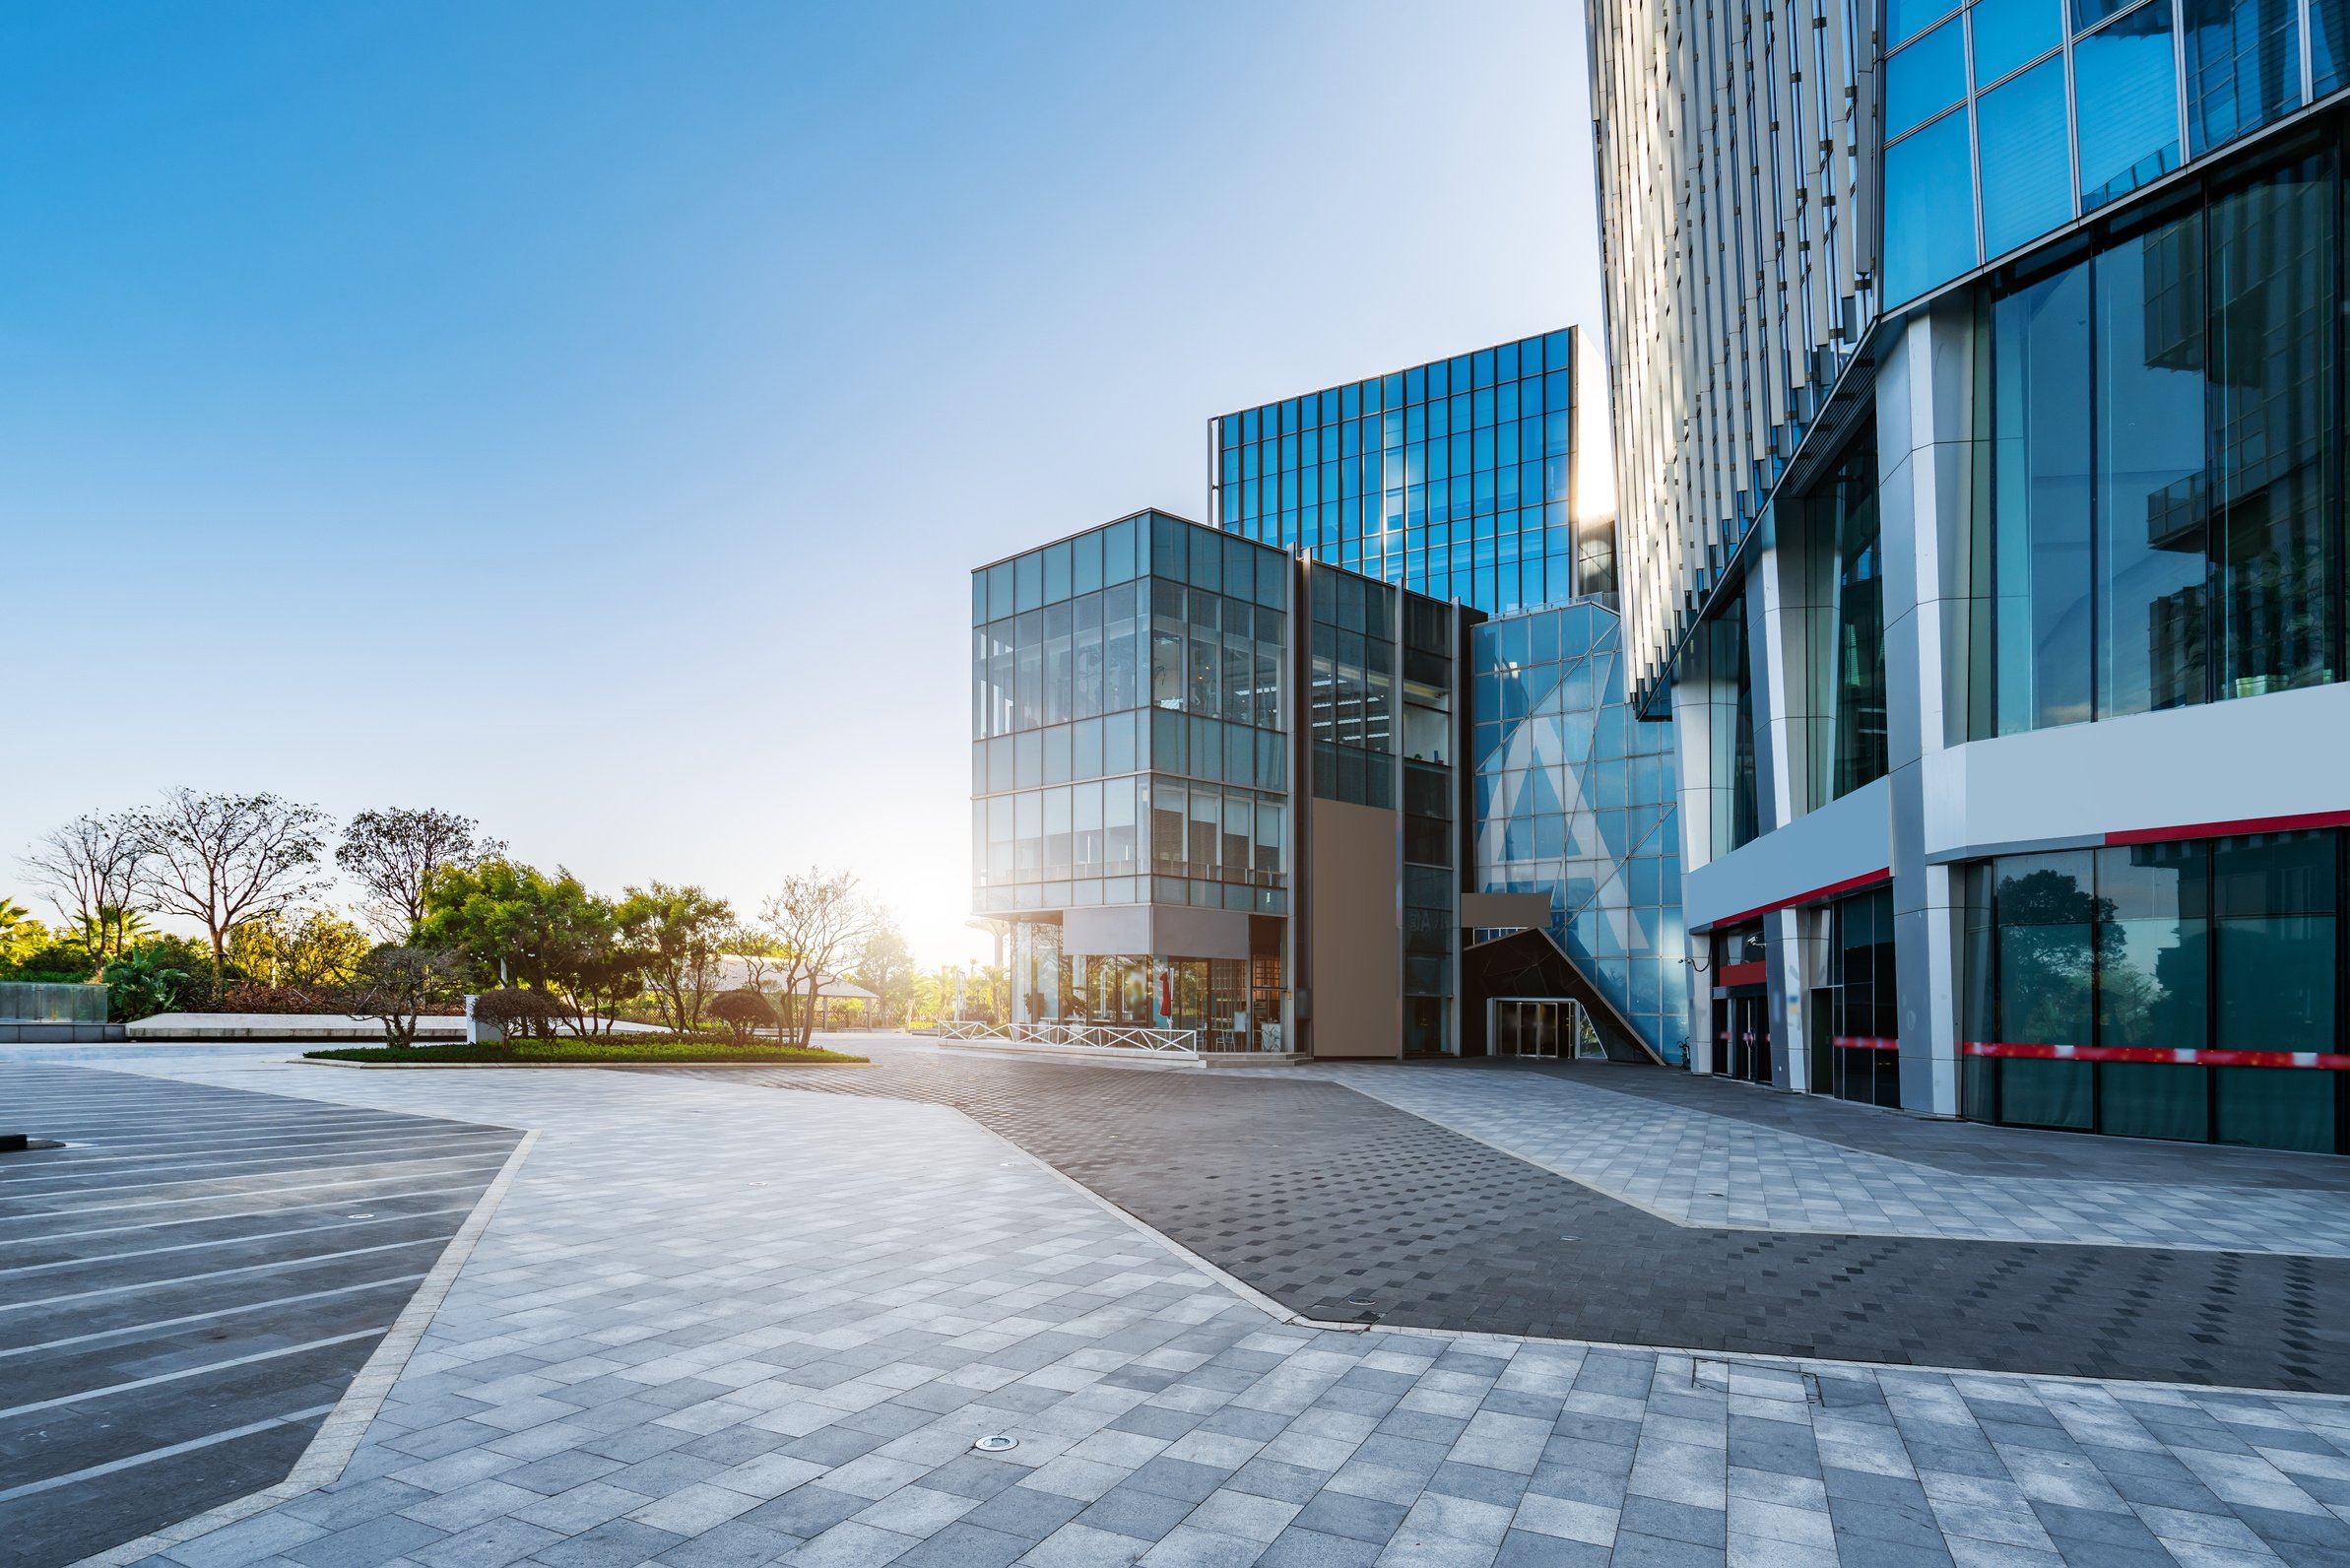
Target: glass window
(2040, 502)
(2007, 33)
(1929, 237)
(2046, 973)
(2027, 177)
(2149, 470)
(1903, 19)
(2271, 1108)
(2127, 85)
(1027, 578)
(2273, 953)
(2153, 988)
(1926, 78)
(2273, 295)
(2243, 67)
(2329, 44)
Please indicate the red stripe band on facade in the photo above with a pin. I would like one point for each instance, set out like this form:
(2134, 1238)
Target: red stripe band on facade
(1744, 974)
(2143, 1052)
(1849, 884)
(1864, 1042)
(2248, 824)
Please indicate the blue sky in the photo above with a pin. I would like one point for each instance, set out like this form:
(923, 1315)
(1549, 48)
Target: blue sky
(584, 417)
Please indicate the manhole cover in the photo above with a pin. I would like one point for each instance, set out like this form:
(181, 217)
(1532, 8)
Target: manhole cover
(997, 1443)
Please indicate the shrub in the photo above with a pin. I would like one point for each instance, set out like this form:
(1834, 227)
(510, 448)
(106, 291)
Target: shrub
(145, 982)
(744, 1013)
(62, 962)
(518, 1014)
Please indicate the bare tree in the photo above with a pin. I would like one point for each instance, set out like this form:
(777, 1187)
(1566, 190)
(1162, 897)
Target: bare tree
(90, 868)
(222, 859)
(394, 853)
(821, 920)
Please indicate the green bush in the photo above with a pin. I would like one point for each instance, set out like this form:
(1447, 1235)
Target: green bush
(744, 1013)
(519, 1014)
(148, 980)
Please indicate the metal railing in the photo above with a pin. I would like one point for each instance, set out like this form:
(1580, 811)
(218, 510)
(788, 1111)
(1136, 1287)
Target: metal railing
(41, 1001)
(1093, 1036)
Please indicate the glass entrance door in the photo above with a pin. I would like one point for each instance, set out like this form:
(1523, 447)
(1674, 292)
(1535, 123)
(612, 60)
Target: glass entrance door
(1749, 1044)
(1544, 1029)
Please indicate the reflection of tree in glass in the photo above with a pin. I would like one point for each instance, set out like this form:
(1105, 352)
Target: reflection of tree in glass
(2047, 972)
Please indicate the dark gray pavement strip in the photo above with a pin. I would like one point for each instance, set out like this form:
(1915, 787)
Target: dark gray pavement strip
(174, 1331)
(1967, 1148)
(1342, 1207)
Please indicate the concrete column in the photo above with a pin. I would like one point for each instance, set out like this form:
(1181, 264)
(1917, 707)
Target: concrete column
(1930, 463)
(1692, 721)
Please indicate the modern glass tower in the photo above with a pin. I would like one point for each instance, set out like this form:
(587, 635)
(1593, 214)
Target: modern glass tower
(1458, 479)
(1487, 477)
(1980, 422)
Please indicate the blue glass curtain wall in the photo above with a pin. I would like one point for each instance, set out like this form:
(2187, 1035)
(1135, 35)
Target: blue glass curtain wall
(2042, 111)
(2166, 525)
(1452, 479)
(1576, 798)
(2183, 990)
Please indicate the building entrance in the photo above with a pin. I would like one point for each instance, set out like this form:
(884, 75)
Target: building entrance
(1742, 1035)
(1544, 1029)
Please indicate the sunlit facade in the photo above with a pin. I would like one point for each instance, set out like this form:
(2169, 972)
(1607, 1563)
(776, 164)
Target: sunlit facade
(1982, 435)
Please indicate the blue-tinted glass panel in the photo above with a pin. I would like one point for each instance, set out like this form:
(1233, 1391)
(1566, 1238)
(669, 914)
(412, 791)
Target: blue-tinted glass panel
(2128, 87)
(1930, 234)
(2026, 187)
(2329, 44)
(2243, 67)
(2008, 32)
(1926, 78)
(1905, 19)
(2086, 14)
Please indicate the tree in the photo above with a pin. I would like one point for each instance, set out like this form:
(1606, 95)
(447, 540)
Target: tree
(677, 928)
(397, 982)
(90, 868)
(316, 949)
(821, 920)
(885, 967)
(762, 954)
(20, 933)
(220, 860)
(394, 853)
(742, 1011)
(517, 924)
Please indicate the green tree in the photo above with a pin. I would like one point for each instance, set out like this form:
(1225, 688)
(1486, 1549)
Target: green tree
(680, 932)
(515, 925)
(20, 933)
(312, 950)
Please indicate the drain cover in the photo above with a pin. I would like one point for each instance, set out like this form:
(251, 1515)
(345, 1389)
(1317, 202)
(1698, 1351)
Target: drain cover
(995, 1443)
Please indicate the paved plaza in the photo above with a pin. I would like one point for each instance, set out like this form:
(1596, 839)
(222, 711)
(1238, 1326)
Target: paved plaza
(720, 1321)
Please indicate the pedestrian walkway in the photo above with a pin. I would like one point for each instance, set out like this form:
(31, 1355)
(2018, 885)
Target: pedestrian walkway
(714, 1323)
(1695, 1167)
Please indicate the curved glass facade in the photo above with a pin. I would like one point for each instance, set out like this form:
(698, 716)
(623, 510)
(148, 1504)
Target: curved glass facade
(1575, 798)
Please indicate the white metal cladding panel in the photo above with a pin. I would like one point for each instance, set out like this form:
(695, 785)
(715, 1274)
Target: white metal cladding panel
(1730, 145)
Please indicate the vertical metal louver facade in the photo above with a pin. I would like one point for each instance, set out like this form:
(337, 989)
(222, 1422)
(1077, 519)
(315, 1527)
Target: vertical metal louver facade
(1736, 150)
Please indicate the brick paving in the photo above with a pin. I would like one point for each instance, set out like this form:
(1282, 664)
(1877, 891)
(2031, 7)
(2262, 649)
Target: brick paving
(1701, 1152)
(718, 1324)
(1345, 1207)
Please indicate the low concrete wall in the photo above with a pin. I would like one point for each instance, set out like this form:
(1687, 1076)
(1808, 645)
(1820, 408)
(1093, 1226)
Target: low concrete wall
(60, 1033)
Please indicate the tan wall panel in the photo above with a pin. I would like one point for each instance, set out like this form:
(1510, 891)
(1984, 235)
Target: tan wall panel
(1356, 931)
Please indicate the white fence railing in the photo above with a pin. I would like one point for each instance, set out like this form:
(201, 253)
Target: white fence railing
(1095, 1037)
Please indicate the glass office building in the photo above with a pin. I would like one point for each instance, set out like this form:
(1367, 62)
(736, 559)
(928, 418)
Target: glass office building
(1457, 479)
(1986, 539)
(1160, 712)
